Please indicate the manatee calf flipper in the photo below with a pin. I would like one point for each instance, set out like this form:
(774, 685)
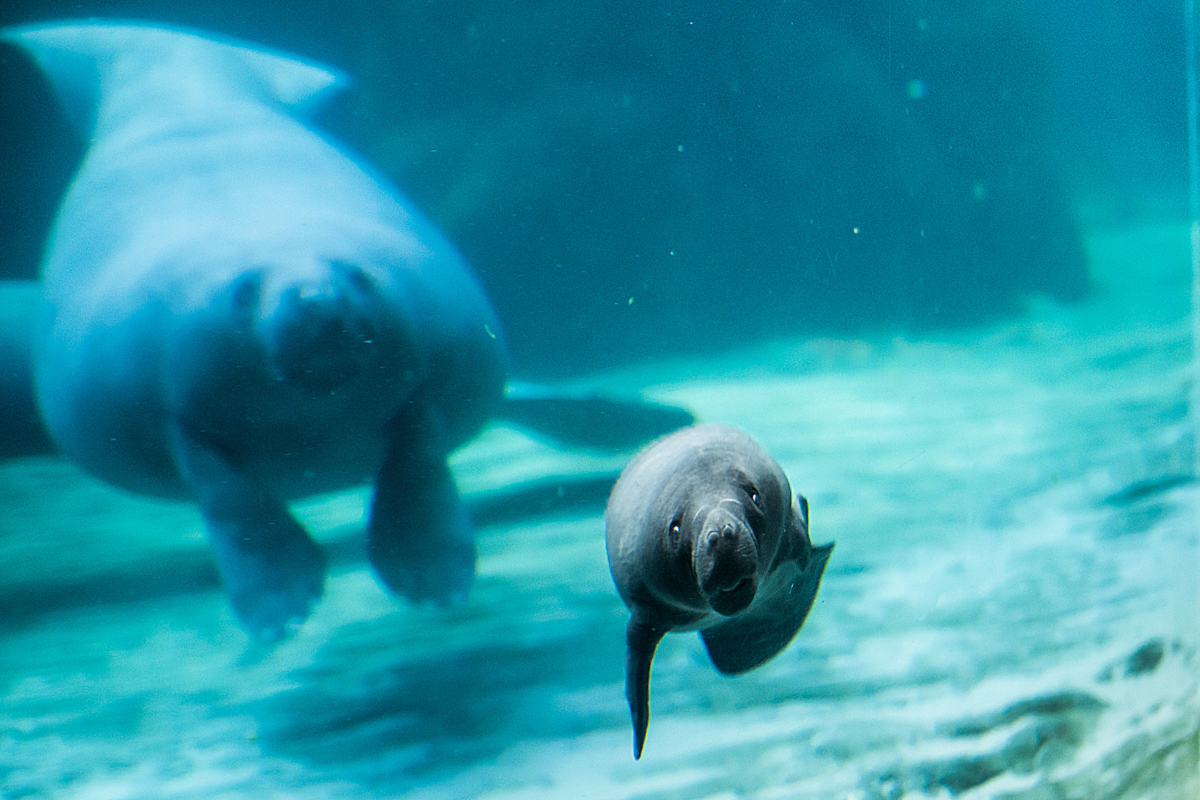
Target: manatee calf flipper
(589, 419)
(272, 571)
(750, 639)
(641, 640)
(420, 538)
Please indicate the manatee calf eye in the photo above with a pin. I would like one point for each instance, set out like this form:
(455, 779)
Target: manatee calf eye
(752, 491)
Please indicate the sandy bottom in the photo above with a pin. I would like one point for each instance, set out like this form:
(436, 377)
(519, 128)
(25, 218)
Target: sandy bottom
(1012, 610)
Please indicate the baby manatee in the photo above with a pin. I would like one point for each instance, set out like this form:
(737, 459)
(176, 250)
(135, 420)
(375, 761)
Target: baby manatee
(704, 534)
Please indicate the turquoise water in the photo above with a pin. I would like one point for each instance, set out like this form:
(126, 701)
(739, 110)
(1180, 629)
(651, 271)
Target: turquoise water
(934, 259)
(1004, 615)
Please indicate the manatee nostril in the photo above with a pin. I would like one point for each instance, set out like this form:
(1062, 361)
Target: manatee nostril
(725, 536)
(354, 275)
(321, 338)
(246, 293)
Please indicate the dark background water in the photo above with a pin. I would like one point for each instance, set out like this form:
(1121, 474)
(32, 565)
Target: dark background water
(638, 180)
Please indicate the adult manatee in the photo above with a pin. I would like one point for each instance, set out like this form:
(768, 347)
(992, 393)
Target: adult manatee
(239, 314)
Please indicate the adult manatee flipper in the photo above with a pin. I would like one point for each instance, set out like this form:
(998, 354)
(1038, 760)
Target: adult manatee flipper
(420, 538)
(272, 571)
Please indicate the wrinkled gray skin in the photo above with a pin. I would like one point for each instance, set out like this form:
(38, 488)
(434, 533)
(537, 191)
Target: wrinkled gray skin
(703, 534)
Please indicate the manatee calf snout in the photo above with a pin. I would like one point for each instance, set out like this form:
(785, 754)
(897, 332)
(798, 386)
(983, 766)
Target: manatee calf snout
(726, 562)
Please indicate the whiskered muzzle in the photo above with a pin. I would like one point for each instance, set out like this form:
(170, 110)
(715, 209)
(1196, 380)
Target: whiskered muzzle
(726, 561)
(322, 334)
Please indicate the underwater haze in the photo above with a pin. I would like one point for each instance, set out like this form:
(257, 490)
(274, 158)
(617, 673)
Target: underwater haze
(418, 280)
